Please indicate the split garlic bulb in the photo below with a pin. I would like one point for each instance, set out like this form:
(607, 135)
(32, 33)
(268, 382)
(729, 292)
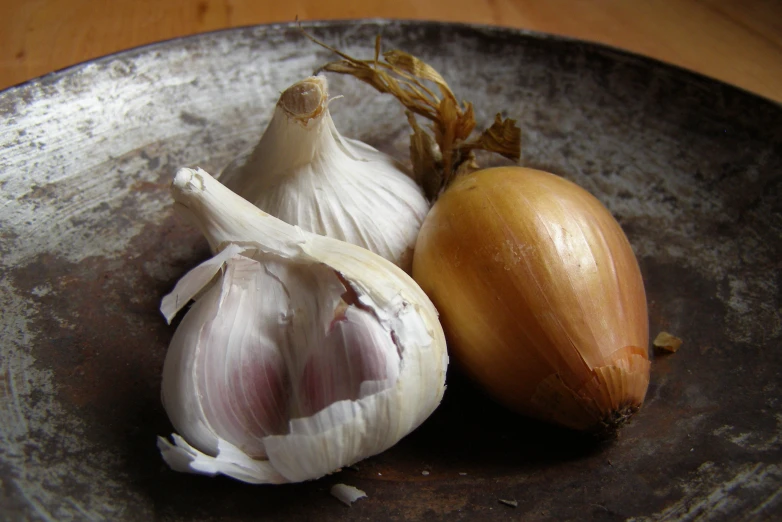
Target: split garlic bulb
(304, 172)
(303, 355)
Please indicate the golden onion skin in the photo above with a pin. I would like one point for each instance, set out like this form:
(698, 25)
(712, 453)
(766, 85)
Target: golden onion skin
(540, 296)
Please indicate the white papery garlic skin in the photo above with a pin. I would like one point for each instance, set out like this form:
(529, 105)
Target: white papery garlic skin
(305, 354)
(305, 173)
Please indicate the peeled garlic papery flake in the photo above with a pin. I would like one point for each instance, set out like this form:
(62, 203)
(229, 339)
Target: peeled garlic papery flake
(305, 173)
(303, 355)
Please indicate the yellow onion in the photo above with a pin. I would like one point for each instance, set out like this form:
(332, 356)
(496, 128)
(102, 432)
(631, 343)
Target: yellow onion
(540, 296)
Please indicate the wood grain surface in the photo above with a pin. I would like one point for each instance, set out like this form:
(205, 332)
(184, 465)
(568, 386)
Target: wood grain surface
(737, 41)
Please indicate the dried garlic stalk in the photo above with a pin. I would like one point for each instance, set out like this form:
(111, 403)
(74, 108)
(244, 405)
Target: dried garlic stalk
(448, 151)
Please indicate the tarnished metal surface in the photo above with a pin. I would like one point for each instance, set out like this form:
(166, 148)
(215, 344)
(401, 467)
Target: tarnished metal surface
(89, 244)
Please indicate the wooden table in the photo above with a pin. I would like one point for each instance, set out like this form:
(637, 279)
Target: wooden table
(737, 41)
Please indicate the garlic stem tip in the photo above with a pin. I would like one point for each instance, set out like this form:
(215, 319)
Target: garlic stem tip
(305, 99)
(189, 178)
(183, 177)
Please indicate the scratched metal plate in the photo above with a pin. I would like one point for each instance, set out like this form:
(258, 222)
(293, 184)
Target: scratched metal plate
(692, 169)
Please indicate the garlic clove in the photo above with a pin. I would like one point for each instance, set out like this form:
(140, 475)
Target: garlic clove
(243, 385)
(305, 354)
(359, 358)
(305, 173)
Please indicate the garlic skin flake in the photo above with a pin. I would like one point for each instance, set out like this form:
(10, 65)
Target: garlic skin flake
(303, 355)
(347, 494)
(305, 173)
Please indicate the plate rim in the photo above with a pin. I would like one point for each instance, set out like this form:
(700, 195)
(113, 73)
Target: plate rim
(58, 75)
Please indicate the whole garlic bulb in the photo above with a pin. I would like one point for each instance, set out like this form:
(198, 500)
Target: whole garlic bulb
(303, 355)
(304, 172)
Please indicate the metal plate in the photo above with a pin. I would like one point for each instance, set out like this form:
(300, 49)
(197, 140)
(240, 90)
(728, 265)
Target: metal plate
(692, 169)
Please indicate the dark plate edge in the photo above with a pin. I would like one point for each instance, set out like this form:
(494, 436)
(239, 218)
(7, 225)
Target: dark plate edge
(485, 29)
